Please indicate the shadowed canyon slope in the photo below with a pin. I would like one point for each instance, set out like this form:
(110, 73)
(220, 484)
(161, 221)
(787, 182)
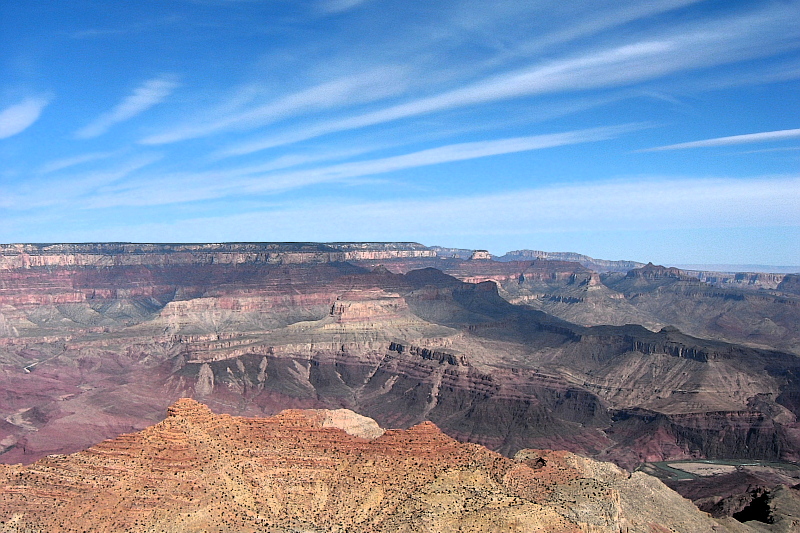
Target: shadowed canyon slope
(745, 308)
(97, 340)
(328, 471)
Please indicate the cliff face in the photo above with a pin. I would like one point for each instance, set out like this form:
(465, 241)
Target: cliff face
(652, 296)
(597, 265)
(790, 284)
(14, 256)
(749, 280)
(297, 471)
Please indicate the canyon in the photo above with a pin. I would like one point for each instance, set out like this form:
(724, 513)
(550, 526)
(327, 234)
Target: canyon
(629, 363)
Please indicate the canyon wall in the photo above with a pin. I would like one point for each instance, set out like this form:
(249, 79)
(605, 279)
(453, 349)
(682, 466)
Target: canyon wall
(88, 352)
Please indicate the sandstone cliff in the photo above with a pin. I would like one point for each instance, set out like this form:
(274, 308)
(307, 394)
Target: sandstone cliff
(125, 254)
(745, 280)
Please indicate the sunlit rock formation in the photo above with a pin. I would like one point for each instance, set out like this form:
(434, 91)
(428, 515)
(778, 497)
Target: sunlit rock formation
(197, 471)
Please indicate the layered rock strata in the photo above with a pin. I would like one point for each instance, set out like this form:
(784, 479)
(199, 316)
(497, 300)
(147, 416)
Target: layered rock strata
(597, 265)
(88, 352)
(197, 471)
(126, 254)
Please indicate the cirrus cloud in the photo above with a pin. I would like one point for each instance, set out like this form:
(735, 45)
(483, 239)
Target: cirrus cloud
(17, 118)
(763, 136)
(150, 93)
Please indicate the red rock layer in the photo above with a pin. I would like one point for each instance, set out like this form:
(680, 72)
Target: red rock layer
(197, 471)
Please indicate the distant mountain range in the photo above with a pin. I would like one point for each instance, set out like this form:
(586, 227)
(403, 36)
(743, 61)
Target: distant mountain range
(603, 265)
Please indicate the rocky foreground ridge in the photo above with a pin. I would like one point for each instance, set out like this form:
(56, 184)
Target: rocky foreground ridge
(328, 471)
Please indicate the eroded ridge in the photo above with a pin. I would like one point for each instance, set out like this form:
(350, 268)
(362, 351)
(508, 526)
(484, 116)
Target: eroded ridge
(198, 471)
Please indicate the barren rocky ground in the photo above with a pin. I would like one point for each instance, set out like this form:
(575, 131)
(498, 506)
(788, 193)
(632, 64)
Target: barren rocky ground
(323, 471)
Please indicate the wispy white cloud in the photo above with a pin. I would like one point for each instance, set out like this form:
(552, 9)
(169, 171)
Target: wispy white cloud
(643, 204)
(596, 69)
(127, 26)
(339, 6)
(343, 91)
(764, 136)
(780, 149)
(667, 52)
(764, 73)
(17, 118)
(435, 156)
(522, 82)
(97, 32)
(302, 158)
(147, 95)
(646, 203)
(67, 162)
(254, 180)
(574, 24)
(435, 130)
(63, 191)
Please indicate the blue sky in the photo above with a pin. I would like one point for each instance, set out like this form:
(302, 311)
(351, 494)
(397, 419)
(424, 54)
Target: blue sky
(665, 131)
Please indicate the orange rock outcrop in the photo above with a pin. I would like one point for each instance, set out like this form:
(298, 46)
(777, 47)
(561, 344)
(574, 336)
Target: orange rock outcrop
(298, 471)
